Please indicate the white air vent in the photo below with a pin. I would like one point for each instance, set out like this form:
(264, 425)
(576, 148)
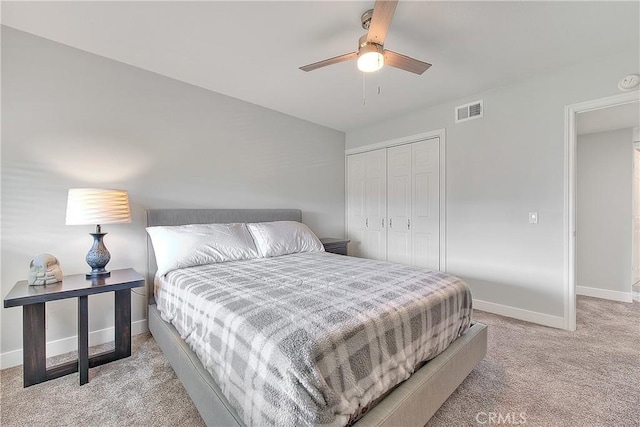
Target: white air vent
(470, 111)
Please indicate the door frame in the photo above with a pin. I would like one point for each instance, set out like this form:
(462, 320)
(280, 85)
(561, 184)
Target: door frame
(442, 163)
(570, 157)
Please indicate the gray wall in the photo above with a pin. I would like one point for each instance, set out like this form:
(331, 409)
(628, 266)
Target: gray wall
(74, 119)
(604, 210)
(503, 166)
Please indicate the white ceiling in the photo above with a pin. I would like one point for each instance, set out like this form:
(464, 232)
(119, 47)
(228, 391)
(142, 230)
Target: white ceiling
(252, 50)
(612, 118)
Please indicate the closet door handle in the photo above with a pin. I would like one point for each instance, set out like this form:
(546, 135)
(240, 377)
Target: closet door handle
(382, 222)
(408, 224)
(390, 222)
(366, 222)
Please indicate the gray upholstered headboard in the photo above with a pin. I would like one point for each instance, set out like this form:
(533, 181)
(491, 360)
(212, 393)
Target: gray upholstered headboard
(207, 216)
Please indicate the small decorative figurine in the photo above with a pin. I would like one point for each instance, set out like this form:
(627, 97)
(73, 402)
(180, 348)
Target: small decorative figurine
(44, 270)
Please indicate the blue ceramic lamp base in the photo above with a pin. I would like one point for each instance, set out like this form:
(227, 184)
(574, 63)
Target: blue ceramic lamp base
(98, 257)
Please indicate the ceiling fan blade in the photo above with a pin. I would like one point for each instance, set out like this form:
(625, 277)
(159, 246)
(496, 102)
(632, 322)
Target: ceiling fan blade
(383, 12)
(330, 61)
(397, 60)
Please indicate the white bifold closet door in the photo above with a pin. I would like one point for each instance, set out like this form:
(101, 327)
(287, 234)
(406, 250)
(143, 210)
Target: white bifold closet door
(399, 204)
(393, 204)
(413, 204)
(376, 204)
(425, 209)
(367, 204)
(356, 212)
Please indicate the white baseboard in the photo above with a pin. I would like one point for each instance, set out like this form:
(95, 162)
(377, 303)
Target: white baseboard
(604, 293)
(520, 314)
(65, 345)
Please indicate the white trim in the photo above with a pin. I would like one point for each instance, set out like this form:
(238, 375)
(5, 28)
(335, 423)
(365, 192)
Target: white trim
(604, 293)
(346, 201)
(519, 313)
(570, 142)
(569, 220)
(442, 150)
(398, 141)
(65, 345)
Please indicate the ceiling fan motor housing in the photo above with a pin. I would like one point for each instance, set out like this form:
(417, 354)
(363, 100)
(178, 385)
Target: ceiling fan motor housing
(362, 42)
(367, 47)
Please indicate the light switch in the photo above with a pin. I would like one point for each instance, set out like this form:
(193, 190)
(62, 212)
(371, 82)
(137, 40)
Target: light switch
(533, 217)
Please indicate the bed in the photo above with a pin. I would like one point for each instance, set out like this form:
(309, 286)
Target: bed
(412, 402)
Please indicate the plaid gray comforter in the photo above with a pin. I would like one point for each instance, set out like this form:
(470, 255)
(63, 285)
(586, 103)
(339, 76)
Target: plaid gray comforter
(312, 338)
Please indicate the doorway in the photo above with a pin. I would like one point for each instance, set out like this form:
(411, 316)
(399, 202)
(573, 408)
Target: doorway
(572, 113)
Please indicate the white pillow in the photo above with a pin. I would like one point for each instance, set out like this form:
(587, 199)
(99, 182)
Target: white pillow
(197, 244)
(283, 237)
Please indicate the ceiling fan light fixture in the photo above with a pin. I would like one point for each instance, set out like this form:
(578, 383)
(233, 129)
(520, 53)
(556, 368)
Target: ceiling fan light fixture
(371, 54)
(370, 58)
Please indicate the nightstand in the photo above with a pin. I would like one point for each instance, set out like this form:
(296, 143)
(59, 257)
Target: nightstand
(336, 246)
(32, 300)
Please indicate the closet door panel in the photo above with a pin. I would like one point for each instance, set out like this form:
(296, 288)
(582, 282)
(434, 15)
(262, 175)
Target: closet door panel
(356, 207)
(425, 215)
(376, 204)
(399, 204)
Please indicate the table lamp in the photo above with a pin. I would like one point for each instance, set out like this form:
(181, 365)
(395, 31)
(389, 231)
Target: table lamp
(89, 206)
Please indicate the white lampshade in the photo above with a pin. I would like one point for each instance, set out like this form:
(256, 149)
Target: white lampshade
(370, 58)
(94, 206)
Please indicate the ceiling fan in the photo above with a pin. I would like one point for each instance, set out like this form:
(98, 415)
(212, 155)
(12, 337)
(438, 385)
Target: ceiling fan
(371, 53)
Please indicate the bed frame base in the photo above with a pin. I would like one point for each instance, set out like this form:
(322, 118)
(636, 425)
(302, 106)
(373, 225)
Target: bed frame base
(412, 403)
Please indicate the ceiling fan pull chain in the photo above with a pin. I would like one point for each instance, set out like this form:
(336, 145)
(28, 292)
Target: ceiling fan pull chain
(364, 91)
(378, 79)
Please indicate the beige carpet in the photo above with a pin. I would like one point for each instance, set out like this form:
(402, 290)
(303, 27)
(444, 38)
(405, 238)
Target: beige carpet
(590, 377)
(539, 375)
